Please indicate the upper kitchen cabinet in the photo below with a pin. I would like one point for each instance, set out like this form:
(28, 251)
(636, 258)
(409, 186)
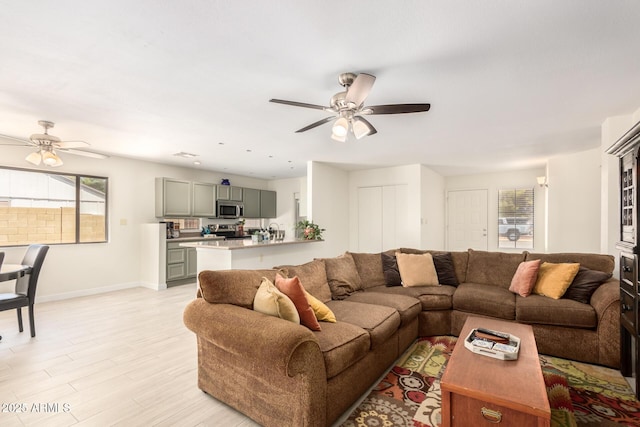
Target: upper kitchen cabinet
(229, 192)
(178, 198)
(251, 202)
(173, 197)
(268, 207)
(204, 199)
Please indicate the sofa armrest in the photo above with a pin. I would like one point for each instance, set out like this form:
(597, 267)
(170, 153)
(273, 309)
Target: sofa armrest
(605, 297)
(283, 346)
(606, 301)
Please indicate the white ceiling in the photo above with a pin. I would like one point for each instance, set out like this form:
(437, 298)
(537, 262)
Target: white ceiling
(510, 82)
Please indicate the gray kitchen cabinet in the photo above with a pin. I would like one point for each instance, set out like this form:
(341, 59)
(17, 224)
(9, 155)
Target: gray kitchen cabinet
(251, 202)
(192, 262)
(229, 192)
(173, 197)
(181, 262)
(176, 262)
(268, 207)
(204, 199)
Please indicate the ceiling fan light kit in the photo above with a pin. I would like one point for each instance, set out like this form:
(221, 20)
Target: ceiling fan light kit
(349, 107)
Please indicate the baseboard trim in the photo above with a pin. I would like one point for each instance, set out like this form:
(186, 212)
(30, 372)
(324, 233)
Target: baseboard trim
(87, 292)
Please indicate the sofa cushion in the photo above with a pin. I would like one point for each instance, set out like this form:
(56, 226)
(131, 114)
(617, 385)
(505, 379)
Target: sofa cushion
(600, 262)
(271, 301)
(390, 269)
(342, 276)
(554, 279)
(381, 322)
(561, 312)
(237, 287)
(408, 307)
(430, 297)
(342, 344)
(313, 277)
(585, 284)
(294, 290)
(417, 270)
(369, 268)
(322, 312)
(525, 278)
(492, 268)
(486, 300)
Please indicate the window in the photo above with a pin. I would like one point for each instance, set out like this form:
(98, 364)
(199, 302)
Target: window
(47, 207)
(515, 218)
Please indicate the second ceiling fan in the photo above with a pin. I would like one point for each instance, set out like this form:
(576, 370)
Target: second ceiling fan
(348, 108)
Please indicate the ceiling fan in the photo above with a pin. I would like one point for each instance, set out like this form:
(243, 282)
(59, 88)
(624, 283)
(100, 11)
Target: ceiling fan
(349, 108)
(46, 146)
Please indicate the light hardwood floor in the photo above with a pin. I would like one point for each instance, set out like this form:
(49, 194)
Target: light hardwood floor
(122, 358)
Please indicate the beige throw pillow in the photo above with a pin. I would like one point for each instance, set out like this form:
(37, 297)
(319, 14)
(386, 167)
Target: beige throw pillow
(269, 300)
(417, 270)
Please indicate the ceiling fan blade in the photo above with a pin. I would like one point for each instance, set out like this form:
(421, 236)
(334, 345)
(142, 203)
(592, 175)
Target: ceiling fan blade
(316, 124)
(71, 144)
(84, 153)
(299, 104)
(396, 109)
(359, 89)
(372, 130)
(16, 141)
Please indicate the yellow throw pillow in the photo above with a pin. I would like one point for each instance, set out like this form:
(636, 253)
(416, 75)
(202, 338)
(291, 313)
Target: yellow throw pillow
(323, 313)
(554, 279)
(269, 300)
(417, 269)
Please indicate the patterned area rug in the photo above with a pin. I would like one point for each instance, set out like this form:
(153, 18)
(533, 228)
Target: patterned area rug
(579, 394)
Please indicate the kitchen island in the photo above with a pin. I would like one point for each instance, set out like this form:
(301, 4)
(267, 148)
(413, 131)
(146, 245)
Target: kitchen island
(246, 254)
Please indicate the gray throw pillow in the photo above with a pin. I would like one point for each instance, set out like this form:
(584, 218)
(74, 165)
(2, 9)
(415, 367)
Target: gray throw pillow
(585, 284)
(444, 268)
(390, 270)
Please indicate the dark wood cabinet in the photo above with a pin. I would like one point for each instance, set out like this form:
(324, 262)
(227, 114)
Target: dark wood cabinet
(627, 148)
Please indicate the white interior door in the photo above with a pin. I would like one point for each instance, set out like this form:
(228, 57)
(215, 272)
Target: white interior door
(467, 220)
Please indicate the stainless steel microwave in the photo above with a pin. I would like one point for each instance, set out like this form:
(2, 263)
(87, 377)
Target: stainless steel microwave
(227, 209)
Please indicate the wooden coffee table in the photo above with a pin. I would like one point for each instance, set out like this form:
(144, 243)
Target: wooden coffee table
(478, 390)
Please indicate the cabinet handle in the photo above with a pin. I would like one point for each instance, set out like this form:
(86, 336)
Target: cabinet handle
(626, 269)
(625, 307)
(490, 415)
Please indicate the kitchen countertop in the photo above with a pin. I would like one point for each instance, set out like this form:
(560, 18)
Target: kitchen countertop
(195, 239)
(242, 244)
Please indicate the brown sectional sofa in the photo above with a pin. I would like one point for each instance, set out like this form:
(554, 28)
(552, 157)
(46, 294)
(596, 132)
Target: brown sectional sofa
(280, 373)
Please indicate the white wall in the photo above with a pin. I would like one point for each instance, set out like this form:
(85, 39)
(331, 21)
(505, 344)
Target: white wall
(286, 218)
(71, 270)
(328, 206)
(432, 200)
(574, 202)
(493, 182)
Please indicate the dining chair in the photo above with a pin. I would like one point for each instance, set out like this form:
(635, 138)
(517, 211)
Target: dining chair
(25, 289)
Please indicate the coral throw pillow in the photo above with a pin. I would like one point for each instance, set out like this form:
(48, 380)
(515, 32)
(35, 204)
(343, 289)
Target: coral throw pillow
(417, 270)
(294, 290)
(555, 279)
(525, 278)
(322, 312)
(269, 300)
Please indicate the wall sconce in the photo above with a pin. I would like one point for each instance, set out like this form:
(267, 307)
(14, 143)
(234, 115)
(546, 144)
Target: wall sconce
(542, 181)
